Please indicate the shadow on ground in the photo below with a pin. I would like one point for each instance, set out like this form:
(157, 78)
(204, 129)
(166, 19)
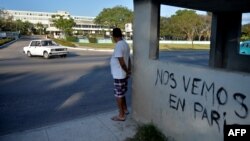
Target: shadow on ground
(30, 100)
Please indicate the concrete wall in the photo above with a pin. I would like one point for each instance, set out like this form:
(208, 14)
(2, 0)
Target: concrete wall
(188, 103)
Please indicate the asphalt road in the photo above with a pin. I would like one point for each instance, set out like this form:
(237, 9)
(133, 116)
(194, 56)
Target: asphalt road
(35, 92)
(188, 57)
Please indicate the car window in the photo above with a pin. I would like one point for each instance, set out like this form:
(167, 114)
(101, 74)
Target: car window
(244, 45)
(38, 43)
(48, 43)
(54, 44)
(45, 43)
(33, 43)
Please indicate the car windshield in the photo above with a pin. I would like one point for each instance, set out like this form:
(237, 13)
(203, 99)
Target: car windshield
(48, 43)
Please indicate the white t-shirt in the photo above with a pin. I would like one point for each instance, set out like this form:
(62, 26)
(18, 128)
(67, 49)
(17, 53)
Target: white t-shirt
(121, 50)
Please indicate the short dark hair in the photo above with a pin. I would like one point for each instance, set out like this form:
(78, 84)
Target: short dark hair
(117, 32)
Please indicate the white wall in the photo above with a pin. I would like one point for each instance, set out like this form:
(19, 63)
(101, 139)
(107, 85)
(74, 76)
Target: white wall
(190, 103)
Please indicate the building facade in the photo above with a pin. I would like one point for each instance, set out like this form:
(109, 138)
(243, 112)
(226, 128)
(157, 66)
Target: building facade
(84, 24)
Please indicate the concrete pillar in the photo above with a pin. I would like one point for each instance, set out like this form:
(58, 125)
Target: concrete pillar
(146, 28)
(145, 50)
(225, 39)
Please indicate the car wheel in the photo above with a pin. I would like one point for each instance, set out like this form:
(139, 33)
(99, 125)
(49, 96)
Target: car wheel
(29, 54)
(46, 55)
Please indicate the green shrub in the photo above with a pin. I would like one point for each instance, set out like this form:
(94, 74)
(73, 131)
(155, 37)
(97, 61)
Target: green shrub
(148, 133)
(92, 40)
(72, 39)
(245, 38)
(64, 42)
(4, 41)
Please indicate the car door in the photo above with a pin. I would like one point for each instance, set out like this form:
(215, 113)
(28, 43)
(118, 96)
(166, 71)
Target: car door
(39, 48)
(248, 48)
(245, 48)
(32, 47)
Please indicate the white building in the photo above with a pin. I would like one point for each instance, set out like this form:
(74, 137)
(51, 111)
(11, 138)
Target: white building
(84, 24)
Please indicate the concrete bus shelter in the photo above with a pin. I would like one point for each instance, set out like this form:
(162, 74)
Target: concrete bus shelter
(191, 103)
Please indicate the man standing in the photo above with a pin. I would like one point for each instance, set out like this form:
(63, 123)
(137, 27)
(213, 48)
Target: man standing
(120, 69)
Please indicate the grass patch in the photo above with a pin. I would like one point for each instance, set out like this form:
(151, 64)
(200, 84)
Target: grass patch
(4, 41)
(184, 47)
(64, 42)
(163, 47)
(98, 45)
(148, 132)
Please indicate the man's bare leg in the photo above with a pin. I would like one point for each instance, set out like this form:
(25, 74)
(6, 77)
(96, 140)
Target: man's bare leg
(124, 105)
(120, 104)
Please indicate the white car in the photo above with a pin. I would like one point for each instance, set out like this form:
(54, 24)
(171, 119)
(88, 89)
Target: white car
(45, 48)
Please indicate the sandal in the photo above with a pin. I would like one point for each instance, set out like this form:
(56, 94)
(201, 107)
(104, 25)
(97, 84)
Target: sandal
(117, 118)
(126, 113)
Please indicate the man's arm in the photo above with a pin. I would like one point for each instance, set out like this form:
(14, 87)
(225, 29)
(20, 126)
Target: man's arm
(124, 66)
(129, 65)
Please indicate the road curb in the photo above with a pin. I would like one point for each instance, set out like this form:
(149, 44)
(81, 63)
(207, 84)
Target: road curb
(91, 49)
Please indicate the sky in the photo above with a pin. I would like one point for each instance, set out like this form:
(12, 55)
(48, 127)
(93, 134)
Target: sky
(74, 7)
(89, 8)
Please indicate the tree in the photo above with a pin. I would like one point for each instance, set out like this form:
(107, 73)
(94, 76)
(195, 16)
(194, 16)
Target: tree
(203, 27)
(1, 19)
(20, 26)
(40, 28)
(28, 28)
(186, 22)
(6, 21)
(117, 16)
(24, 28)
(165, 30)
(245, 32)
(65, 24)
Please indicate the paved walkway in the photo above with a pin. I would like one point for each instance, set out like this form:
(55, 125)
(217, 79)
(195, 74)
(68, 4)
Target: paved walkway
(93, 128)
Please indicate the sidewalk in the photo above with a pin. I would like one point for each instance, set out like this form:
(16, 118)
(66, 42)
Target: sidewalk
(93, 128)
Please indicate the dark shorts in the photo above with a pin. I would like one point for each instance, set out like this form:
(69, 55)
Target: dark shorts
(120, 87)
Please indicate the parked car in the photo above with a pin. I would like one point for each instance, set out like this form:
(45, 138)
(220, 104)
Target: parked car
(245, 48)
(45, 48)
